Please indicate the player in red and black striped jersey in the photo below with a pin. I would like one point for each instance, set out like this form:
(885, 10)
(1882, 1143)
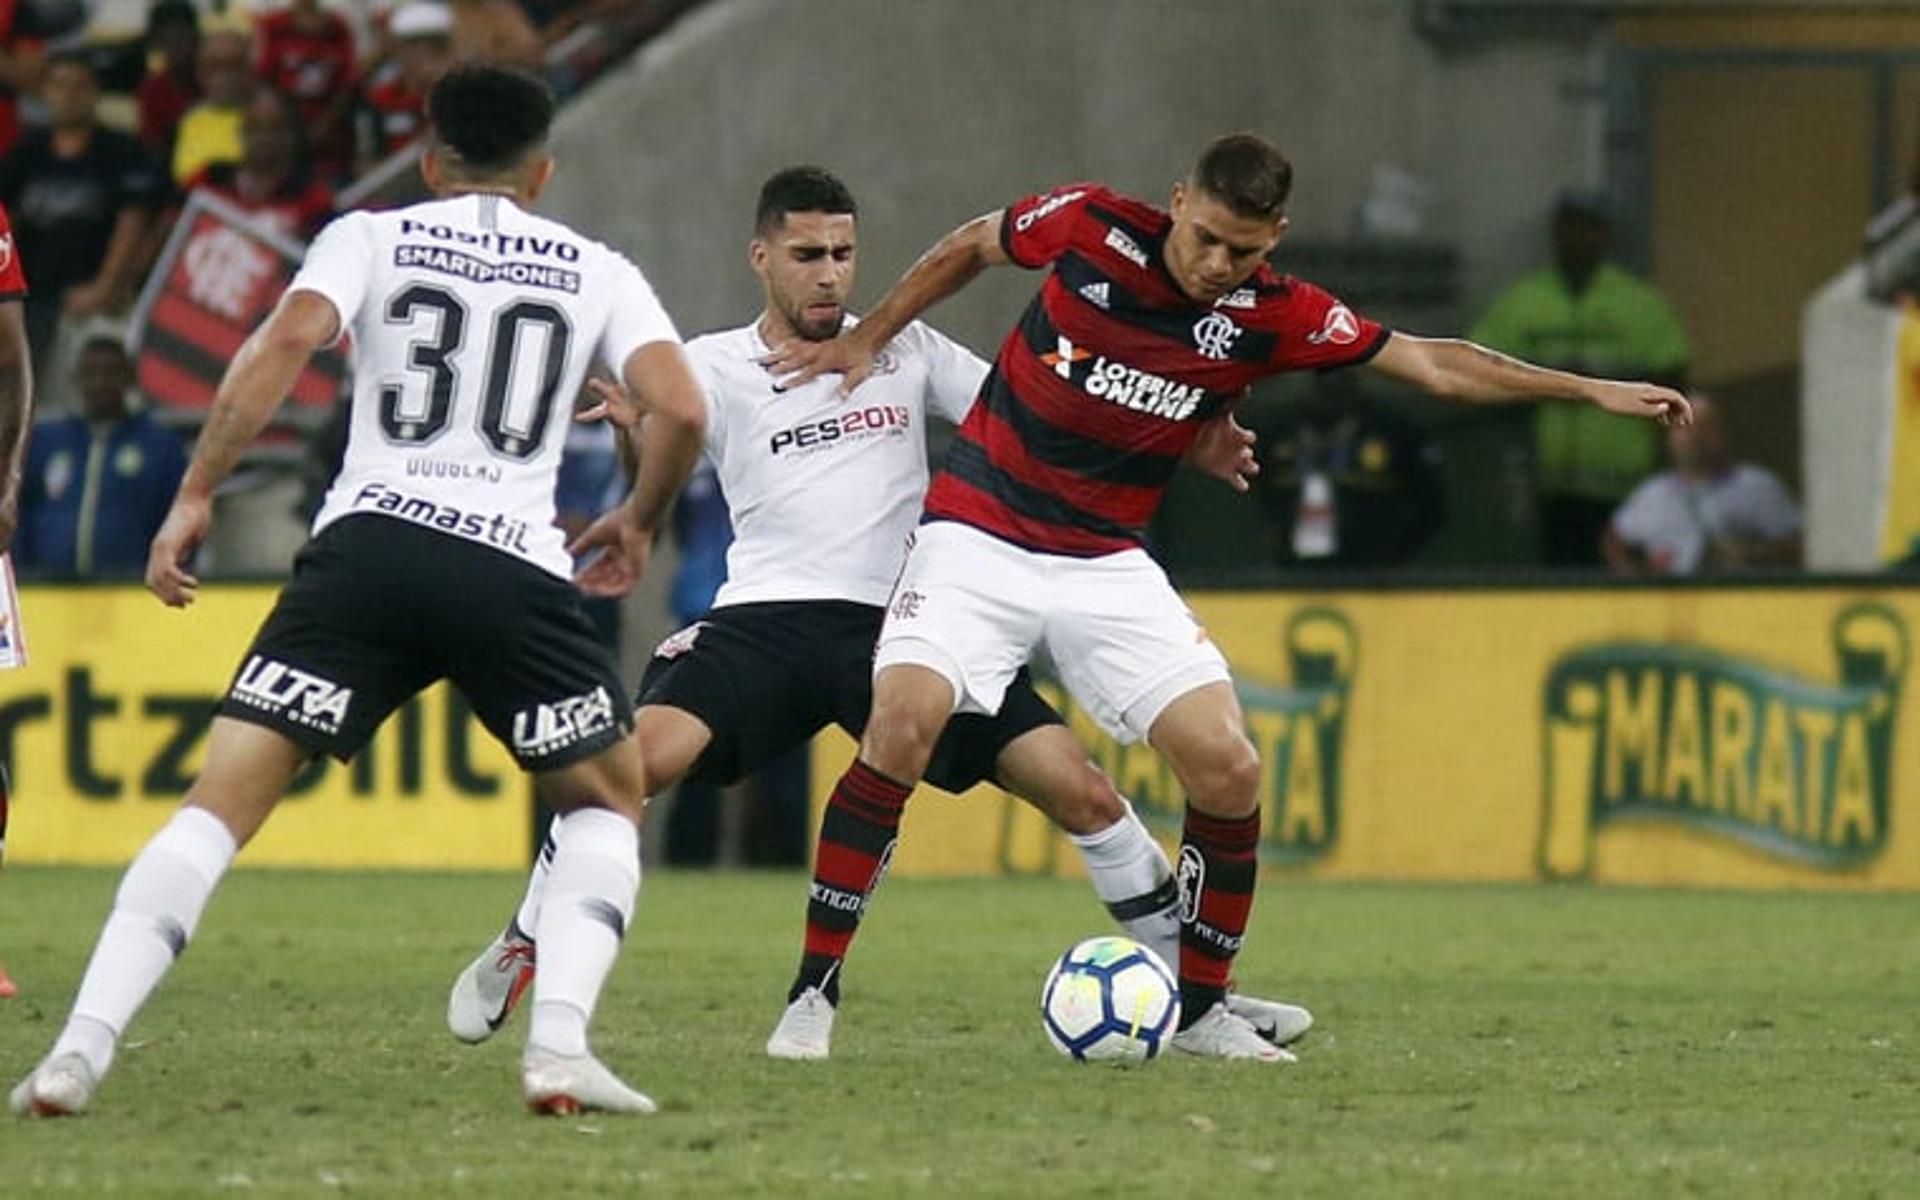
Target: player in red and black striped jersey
(16, 418)
(1149, 325)
(16, 386)
(1039, 466)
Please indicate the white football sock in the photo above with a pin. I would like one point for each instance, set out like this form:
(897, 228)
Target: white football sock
(1132, 877)
(154, 913)
(527, 919)
(589, 899)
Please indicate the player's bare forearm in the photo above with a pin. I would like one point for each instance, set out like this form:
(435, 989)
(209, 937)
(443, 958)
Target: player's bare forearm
(1468, 373)
(953, 262)
(670, 436)
(1463, 371)
(16, 414)
(256, 382)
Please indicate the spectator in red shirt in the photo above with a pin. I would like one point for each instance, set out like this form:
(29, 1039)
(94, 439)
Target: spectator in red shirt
(307, 52)
(21, 61)
(172, 85)
(393, 106)
(273, 180)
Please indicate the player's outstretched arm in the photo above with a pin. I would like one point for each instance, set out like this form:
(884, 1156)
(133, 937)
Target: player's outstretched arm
(16, 415)
(669, 408)
(1461, 371)
(257, 380)
(953, 262)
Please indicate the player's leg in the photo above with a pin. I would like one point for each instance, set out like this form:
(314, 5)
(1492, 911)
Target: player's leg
(319, 678)
(592, 884)
(911, 705)
(963, 617)
(1202, 735)
(1141, 664)
(719, 697)
(1048, 767)
(490, 989)
(158, 907)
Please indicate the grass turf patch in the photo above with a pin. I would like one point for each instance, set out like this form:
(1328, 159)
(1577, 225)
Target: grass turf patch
(1472, 1041)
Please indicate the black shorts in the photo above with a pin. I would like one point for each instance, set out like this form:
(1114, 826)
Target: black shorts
(767, 677)
(378, 608)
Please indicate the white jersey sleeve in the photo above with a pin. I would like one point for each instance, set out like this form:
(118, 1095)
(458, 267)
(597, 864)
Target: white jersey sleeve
(954, 373)
(635, 319)
(338, 266)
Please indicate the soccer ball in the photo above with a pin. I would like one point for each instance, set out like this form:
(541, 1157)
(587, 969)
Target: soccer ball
(1110, 999)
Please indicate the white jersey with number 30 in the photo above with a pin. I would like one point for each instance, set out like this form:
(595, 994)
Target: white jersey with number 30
(473, 323)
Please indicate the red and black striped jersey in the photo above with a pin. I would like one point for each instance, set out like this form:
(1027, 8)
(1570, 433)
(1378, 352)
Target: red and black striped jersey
(1106, 381)
(13, 280)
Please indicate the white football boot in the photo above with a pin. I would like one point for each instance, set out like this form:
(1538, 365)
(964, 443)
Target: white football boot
(58, 1087)
(1220, 1034)
(562, 1086)
(1281, 1024)
(488, 991)
(805, 1029)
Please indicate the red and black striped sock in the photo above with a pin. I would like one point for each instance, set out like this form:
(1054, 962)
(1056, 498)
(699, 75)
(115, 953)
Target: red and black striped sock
(1219, 860)
(856, 840)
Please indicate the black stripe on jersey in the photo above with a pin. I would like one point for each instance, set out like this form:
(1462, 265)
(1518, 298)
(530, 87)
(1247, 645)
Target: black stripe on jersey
(1176, 325)
(190, 357)
(1063, 448)
(967, 461)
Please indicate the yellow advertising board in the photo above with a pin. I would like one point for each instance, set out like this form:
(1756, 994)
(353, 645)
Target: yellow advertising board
(1740, 737)
(104, 729)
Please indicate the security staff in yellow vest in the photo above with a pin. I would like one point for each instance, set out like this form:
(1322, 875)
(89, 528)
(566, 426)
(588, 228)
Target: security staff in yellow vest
(1586, 314)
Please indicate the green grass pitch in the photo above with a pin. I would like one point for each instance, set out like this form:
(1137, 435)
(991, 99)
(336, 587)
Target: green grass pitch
(1473, 1041)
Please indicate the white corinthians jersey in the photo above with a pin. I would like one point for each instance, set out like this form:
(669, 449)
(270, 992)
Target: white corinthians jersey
(473, 324)
(824, 490)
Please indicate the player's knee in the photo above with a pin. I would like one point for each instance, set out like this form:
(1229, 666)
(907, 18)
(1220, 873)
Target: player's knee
(900, 738)
(1089, 804)
(1227, 781)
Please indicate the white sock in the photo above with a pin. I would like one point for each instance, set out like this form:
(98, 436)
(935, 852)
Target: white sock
(590, 894)
(527, 919)
(154, 913)
(1132, 877)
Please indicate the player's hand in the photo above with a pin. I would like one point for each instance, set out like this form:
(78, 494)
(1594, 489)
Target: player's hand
(180, 535)
(1661, 404)
(615, 404)
(797, 362)
(618, 551)
(1224, 450)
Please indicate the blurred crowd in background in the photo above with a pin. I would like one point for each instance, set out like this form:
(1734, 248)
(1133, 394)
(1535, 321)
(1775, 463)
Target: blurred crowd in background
(279, 109)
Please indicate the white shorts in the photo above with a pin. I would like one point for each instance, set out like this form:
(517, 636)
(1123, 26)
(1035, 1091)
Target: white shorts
(973, 608)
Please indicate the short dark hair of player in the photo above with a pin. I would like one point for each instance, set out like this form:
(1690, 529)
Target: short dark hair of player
(800, 189)
(489, 117)
(1245, 172)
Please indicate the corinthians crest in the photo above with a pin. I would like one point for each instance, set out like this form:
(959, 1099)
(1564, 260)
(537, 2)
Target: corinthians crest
(1795, 769)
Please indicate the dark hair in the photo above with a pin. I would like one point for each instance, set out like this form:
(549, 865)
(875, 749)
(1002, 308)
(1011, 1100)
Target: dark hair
(800, 189)
(1245, 172)
(172, 12)
(490, 116)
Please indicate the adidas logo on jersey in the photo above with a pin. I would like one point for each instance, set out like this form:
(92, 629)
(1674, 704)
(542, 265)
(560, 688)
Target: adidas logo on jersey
(295, 695)
(549, 728)
(1095, 294)
(1238, 298)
